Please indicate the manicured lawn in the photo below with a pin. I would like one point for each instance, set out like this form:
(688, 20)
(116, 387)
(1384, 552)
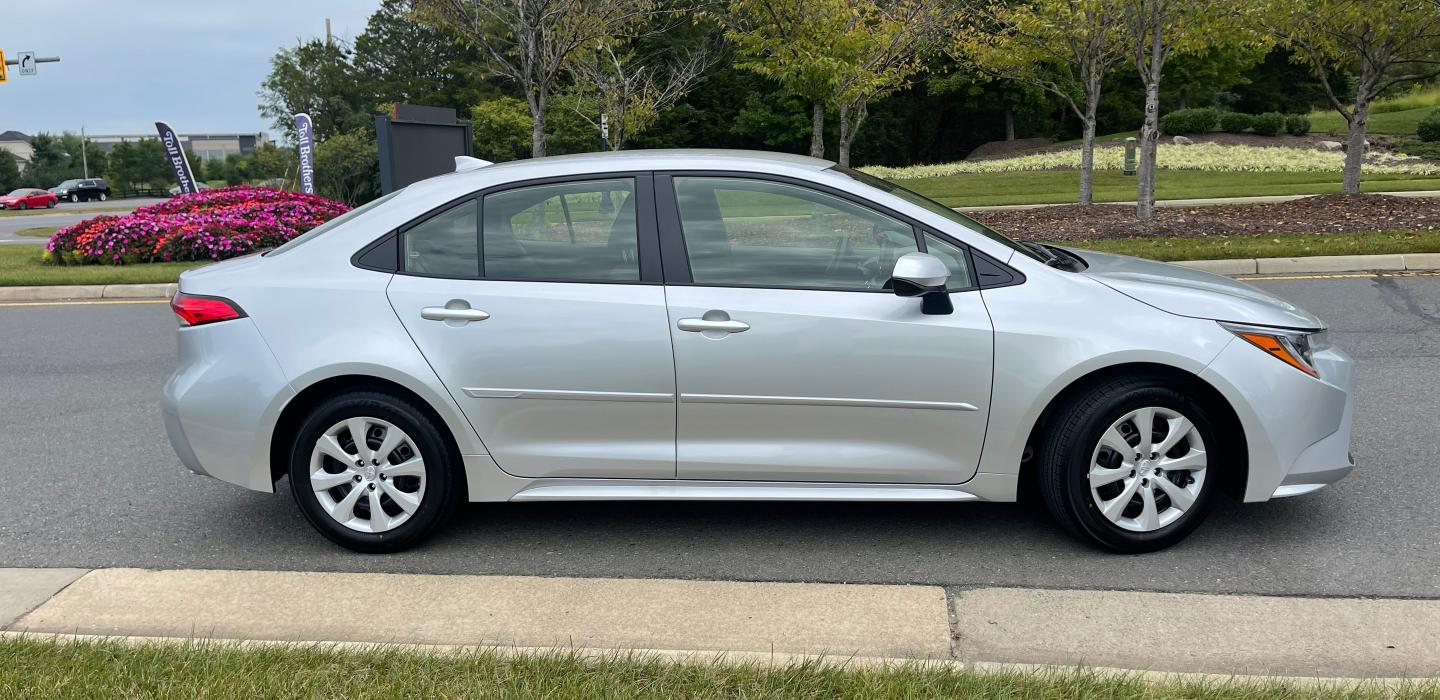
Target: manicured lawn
(1281, 246)
(1056, 187)
(20, 265)
(38, 231)
(36, 669)
(64, 210)
(1401, 122)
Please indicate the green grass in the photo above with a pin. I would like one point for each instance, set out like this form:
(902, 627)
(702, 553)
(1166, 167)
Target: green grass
(1270, 246)
(63, 210)
(20, 265)
(1402, 122)
(38, 231)
(36, 669)
(1056, 187)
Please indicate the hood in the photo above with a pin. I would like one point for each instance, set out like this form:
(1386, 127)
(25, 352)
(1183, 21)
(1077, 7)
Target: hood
(1186, 292)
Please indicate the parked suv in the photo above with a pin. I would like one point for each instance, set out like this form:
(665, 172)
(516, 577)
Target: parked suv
(82, 190)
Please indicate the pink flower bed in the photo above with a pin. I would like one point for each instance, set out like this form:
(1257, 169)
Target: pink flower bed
(207, 225)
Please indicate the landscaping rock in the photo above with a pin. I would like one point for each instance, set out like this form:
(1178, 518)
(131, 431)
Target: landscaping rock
(1331, 145)
(1336, 213)
(1182, 141)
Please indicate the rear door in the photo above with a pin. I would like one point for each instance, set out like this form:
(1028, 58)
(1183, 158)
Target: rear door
(793, 361)
(551, 332)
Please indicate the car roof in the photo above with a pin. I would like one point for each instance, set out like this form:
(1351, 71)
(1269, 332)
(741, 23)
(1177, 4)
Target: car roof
(453, 184)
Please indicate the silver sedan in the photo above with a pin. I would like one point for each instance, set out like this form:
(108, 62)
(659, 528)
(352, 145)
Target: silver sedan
(716, 325)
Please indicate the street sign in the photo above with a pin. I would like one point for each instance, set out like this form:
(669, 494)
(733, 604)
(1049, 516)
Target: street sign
(3, 77)
(27, 63)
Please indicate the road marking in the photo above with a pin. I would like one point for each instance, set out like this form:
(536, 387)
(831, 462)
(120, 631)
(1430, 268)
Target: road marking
(1355, 275)
(84, 303)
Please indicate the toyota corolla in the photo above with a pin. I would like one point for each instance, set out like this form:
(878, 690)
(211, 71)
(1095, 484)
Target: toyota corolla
(713, 325)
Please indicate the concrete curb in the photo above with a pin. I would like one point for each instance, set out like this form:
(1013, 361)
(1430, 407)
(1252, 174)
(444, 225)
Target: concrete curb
(1190, 636)
(67, 292)
(1317, 264)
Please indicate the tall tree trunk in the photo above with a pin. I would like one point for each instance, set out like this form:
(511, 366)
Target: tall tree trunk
(1087, 155)
(850, 119)
(1009, 124)
(817, 130)
(1150, 130)
(1355, 141)
(536, 100)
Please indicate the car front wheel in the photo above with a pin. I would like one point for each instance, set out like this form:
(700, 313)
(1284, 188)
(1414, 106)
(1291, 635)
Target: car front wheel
(1126, 465)
(74, 198)
(103, 196)
(23, 206)
(371, 472)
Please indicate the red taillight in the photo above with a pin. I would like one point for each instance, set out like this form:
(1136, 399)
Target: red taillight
(197, 310)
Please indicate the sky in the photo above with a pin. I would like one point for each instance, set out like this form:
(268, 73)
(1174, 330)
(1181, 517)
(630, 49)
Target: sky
(125, 64)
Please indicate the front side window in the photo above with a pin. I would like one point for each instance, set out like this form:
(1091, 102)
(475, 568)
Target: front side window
(744, 232)
(954, 258)
(581, 231)
(444, 245)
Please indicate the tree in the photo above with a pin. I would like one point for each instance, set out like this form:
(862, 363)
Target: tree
(630, 91)
(1156, 29)
(1065, 47)
(401, 59)
(840, 53)
(317, 78)
(347, 167)
(143, 162)
(532, 42)
(501, 129)
(9, 172)
(1382, 43)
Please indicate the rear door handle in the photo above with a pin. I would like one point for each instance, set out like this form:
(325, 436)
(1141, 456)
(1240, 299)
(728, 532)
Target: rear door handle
(703, 325)
(455, 312)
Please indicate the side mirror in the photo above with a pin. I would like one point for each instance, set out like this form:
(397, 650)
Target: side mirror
(923, 275)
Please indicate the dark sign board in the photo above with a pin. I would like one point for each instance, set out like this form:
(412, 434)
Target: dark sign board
(418, 142)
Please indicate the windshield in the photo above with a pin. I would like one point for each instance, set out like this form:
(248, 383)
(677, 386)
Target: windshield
(328, 225)
(18, 193)
(931, 205)
(68, 183)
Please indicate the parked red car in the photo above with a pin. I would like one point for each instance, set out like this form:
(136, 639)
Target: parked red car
(27, 198)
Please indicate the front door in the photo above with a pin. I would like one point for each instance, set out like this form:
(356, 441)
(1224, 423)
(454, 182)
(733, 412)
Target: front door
(794, 363)
(553, 340)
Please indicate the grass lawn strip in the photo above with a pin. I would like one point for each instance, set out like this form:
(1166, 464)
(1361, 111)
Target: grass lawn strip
(1059, 186)
(64, 210)
(1286, 246)
(20, 265)
(38, 231)
(38, 668)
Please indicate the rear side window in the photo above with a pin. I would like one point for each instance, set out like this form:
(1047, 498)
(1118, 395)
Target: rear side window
(581, 231)
(444, 245)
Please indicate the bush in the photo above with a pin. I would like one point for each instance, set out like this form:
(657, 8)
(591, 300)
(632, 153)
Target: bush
(1429, 128)
(1190, 121)
(207, 225)
(1235, 122)
(1429, 150)
(1297, 125)
(1269, 124)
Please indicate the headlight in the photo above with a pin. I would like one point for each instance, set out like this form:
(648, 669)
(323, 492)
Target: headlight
(1293, 347)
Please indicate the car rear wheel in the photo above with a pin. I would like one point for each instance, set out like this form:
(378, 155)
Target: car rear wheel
(371, 472)
(1126, 465)
(52, 204)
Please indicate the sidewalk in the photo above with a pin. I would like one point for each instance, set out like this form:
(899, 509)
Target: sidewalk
(1201, 202)
(1160, 632)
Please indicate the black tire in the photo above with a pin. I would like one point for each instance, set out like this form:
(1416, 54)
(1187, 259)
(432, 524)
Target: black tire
(52, 204)
(74, 198)
(23, 206)
(1066, 450)
(103, 196)
(443, 489)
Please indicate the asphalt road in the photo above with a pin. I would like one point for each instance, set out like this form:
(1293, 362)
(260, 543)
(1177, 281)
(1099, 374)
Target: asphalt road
(64, 215)
(87, 479)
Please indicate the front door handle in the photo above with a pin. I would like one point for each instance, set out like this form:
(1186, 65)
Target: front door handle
(456, 312)
(700, 325)
(714, 324)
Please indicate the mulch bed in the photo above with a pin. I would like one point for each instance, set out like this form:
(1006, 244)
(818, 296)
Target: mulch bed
(1337, 213)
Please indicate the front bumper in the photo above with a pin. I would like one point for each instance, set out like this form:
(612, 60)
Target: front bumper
(1297, 427)
(221, 404)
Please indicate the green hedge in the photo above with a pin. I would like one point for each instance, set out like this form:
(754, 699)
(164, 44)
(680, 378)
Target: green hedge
(1190, 121)
(1297, 125)
(1236, 122)
(1269, 124)
(1429, 128)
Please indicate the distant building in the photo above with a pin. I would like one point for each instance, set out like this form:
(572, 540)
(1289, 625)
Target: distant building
(17, 144)
(204, 146)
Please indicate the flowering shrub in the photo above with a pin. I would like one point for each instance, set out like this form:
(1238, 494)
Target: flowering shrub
(1201, 156)
(206, 225)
